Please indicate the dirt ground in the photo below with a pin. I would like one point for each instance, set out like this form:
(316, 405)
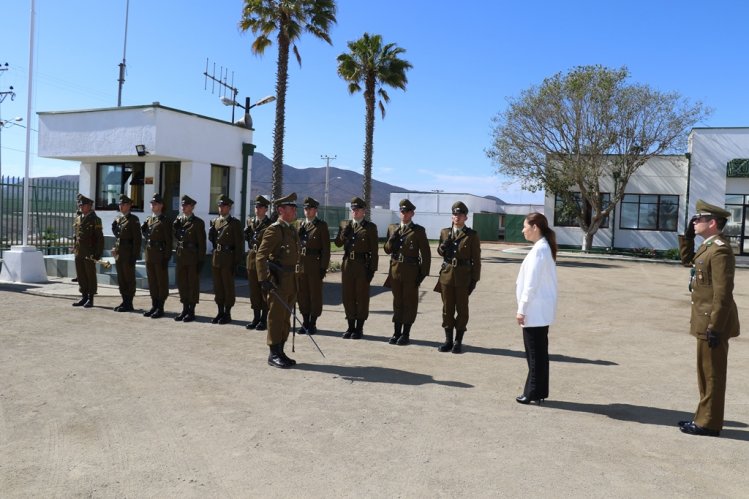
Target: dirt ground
(99, 404)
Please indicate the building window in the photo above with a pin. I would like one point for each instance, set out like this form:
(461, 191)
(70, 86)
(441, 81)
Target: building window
(219, 185)
(113, 179)
(649, 212)
(565, 218)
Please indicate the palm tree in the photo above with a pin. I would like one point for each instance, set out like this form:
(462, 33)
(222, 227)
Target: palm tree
(375, 65)
(289, 19)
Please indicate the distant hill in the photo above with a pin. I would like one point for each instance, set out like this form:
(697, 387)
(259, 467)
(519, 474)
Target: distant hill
(344, 184)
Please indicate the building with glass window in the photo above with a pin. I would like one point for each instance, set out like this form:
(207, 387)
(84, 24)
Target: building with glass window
(662, 194)
(142, 150)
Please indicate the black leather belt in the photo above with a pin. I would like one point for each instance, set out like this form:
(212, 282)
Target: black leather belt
(187, 245)
(157, 244)
(405, 259)
(359, 256)
(311, 251)
(224, 247)
(459, 262)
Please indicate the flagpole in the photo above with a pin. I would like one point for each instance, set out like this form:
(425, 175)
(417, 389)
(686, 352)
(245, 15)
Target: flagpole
(28, 128)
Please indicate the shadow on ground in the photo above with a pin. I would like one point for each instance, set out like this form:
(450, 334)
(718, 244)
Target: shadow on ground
(644, 415)
(374, 374)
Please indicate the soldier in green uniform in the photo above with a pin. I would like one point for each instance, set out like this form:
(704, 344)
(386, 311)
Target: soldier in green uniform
(126, 230)
(460, 249)
(189, 234)
(89, 246)
(410, 259)
(315, 258)
(277, 259)
(253, 234)
(226, 236)
(714, 318)
(360, 246)
(157, 232)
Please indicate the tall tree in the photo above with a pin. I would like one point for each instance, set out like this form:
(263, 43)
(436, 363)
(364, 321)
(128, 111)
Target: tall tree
(288, 19)
(576, 129)
(373, 65)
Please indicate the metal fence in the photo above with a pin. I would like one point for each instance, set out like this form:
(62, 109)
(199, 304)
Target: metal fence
(52, 206)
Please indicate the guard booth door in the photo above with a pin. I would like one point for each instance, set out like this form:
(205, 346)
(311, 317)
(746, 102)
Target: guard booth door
(169, 183)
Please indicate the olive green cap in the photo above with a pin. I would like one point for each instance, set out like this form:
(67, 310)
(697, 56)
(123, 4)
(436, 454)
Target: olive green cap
(261, 201)
(357, 202)
(188, 200)
(311, 202)
(406, 205)
(125, 200)
(224, 200)
(710, 210)
(289, 200)
(459, 207)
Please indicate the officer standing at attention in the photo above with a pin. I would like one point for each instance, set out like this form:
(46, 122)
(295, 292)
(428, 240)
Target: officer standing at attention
(714, 318)
(126, 230)
(460, 249)
(253, 234)
(277, 259)
(157, 231)
(410, 259)
(228, 249)
(189, 234)
(315, 258)
(89, 246)
(360, 246)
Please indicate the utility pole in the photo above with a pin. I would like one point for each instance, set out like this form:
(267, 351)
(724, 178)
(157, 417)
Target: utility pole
(122, 65)
(327, 178)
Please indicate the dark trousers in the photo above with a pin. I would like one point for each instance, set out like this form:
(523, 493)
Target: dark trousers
(85, 271)
(536, 341)
(712, 364)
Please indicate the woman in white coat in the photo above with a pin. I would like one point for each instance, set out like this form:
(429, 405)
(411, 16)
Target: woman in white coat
(536, 293)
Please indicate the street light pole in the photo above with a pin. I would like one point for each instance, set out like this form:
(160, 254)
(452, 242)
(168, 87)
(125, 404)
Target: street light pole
(327, 179)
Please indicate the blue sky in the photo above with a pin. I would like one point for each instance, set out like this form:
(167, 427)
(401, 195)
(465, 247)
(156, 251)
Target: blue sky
(468, 58)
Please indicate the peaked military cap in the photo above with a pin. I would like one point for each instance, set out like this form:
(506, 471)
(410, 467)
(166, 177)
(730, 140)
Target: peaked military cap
(311, 202)
(710, 210)
(157, 198)
(289, 200)
(261, 201)
(224, 200)
(124, 199)
(406, 205)
(83, 200)
(459, 207)
(357, 202)
(188, 200)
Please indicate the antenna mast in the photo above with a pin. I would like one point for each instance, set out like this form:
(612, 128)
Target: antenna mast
(122, 65)
(222, 83)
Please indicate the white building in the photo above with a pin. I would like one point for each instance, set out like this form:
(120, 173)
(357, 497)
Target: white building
(185, 153)
(660, 197)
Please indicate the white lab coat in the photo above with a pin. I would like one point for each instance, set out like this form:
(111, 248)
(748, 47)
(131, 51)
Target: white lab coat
(536, 287)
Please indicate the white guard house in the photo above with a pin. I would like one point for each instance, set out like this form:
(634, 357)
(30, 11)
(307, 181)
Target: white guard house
(662, 194)
(178, 153)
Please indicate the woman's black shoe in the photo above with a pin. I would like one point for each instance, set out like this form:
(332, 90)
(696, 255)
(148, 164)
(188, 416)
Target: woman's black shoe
(524, 399)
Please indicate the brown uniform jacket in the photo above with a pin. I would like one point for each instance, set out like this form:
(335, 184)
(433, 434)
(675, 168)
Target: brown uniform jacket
(228, 246)
(253, 234)
(127, 244)
(89, 236)
(462, 260)
(411, 247)
(713, 268)
(189, 236)
(315, 242)
(280, 247)
(158, 233)
(360, 243)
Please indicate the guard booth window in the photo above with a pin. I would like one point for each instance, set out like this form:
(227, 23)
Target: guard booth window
(219, 185)
(113, 179)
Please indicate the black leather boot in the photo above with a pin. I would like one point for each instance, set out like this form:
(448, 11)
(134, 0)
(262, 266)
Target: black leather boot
(458, 346)
(82, 301)
(312, 325)
(122, 304)
(448, 344)
(397, 331)
(182, 314)
(358, 330)
(190, 316)
(404, 339)
(226, 318)
(263, 324)
(305, 324)
(89, 301)
(219, 314)
(276, 359)
(286, 357)
(255, 319)
(150, 311)
(350, 330)
(127, 304)
(159, 312)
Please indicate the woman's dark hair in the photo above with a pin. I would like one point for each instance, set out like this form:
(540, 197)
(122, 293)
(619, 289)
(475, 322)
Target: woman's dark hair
(540, 221)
